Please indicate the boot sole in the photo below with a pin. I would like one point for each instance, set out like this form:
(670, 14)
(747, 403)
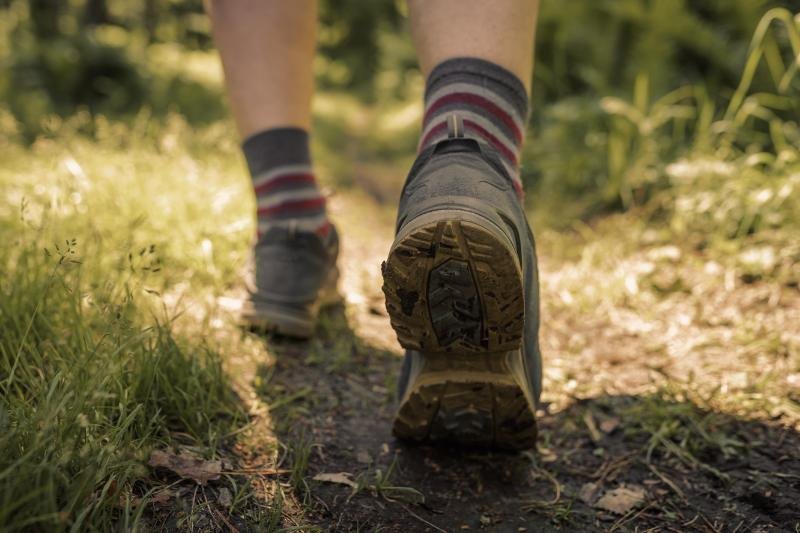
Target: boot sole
(454, 294)
(467, 400)
(453, 284)
(275, 321)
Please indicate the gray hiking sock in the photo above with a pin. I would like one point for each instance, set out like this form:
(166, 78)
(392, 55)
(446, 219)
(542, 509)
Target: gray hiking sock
(491, 101)
(283, 180)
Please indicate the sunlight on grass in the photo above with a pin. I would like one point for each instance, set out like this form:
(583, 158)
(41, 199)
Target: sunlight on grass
(102, 234)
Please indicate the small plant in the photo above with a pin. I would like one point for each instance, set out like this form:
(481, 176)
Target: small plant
(379, 483)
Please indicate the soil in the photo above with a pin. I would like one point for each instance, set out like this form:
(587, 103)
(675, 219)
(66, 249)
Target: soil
(653, 399)
(591, 439)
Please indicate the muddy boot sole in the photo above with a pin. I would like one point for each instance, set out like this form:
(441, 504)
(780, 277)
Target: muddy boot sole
(453, 284)
(467, 400)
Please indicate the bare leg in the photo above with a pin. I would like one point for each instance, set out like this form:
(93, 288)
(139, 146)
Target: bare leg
(500, 31)
(267, 49)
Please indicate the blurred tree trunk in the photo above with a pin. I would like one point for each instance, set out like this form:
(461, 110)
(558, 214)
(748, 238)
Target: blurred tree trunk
(45, 15)
(96, 12)
(150, 19)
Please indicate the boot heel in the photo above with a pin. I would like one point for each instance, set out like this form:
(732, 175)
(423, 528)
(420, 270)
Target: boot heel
(453, 284)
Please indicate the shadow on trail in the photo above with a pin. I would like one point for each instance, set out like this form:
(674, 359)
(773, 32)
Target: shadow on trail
(332, 405)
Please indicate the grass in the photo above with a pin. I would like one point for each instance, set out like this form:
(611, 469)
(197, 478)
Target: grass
(96, 367)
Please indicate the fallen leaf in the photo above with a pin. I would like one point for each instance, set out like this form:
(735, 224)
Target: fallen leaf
(588, 493)
(546, 455)
(363, 457)
(622, 499)
(186, 465)
(609, 425)
(161, 498)
(342, 478)
(224, 497)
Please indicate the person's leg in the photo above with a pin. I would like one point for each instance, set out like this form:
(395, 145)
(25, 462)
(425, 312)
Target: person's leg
(460, 281)
(267, 49)
(477, 58)
(500, 31)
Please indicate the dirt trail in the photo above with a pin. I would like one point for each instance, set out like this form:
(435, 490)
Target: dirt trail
(642, 424)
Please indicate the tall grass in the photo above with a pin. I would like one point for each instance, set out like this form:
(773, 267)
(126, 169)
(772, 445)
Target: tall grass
(93, 371)
(738, 154)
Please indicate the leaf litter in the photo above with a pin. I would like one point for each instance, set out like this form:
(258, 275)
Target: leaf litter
(187, 465)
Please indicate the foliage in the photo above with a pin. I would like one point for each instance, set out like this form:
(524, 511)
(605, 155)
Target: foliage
(96, 368)
(724, 144)
(94, 52)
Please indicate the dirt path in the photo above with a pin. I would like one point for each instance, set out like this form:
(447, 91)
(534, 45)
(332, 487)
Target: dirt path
(671, 402)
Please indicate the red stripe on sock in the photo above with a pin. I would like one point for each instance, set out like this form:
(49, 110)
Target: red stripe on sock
(499, 145)
(436, 130)
(277, 181)
(324, 229)
(483, 103)
(518, 188)
(494, 141)
(292, 205)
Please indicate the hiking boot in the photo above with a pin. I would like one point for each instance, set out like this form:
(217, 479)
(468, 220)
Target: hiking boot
(461, 289)
(295, 275)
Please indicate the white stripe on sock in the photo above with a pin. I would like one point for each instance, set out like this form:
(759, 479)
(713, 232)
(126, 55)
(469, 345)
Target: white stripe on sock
(277, 198)
(265, 177)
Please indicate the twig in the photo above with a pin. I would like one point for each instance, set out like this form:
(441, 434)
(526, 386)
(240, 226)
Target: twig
(415, 515)
(690, 522)
(625, 518)
(208, 504)
(667, 480)
(231, 527)
(556, 487)
(254, 472)
(713, 527)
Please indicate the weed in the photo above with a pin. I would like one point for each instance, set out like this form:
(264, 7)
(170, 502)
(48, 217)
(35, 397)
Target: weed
(299, 450)
(379, 483)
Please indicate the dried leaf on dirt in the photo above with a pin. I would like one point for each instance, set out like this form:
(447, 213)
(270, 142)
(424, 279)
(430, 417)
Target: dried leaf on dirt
(363, 457)
(588, 493)
(342, 478)
(161, 498)
(186, 465)
(622, 499)
(224, 497)
(608, 425)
